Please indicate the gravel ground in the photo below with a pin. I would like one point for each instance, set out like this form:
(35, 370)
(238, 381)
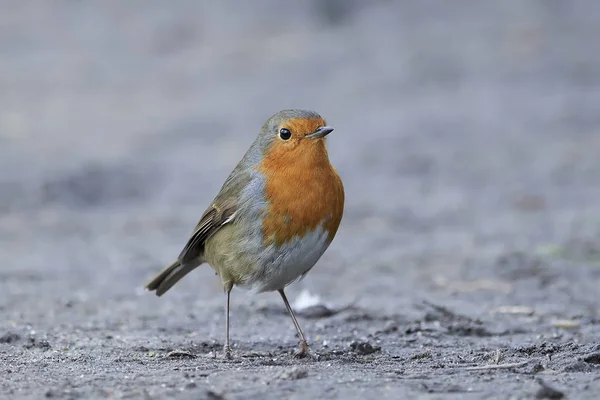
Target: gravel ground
(467, 134)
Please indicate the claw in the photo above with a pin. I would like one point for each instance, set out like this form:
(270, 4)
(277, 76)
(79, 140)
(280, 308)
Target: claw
(227, 352)
(302, 351)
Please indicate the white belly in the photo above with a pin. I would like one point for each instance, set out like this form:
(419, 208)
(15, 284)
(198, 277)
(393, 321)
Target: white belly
(277, 267)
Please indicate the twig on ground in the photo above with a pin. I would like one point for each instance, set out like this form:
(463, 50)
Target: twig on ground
(451, 315)
(495, 366)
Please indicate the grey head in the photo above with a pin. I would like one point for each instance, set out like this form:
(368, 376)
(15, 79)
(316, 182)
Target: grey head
(304, 123)
(300, 124)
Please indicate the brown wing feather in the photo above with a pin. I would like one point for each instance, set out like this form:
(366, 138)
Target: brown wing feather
(212, 220)
(221, 212)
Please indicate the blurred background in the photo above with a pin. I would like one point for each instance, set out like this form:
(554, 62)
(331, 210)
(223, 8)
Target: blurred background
(467, 135)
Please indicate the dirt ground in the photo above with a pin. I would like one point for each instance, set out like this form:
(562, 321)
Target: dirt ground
(467, 264)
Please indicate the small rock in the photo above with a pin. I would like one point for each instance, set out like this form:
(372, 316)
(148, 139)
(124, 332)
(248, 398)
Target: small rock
(578, 366)
(547, 392)
(62, 394)
(212, 395)
(9, 337)
(537, 368)
(310, 306)
(364, 348)
(179, 354)
(294, 374)
(43, 344)
(317, 311)
(468, 329)
(593, 358)
(40, 344)
(191, 385)
(527, 202)
(421, 356)
(390, 327)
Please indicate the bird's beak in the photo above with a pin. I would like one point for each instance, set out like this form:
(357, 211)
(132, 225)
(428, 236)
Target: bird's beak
(320, 132)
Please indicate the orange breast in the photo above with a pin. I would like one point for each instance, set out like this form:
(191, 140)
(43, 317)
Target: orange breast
(303, 190)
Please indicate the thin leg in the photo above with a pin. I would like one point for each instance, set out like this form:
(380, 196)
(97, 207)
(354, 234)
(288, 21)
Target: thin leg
(303, 350)
(227, 348)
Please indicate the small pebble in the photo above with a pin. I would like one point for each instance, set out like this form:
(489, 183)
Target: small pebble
(364, 348)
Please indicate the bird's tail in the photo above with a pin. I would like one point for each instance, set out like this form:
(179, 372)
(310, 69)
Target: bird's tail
(168, 277)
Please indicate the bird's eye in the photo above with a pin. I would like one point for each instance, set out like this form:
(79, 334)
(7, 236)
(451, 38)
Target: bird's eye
(285, 134)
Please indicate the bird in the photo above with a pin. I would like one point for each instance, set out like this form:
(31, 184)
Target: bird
(274, 217)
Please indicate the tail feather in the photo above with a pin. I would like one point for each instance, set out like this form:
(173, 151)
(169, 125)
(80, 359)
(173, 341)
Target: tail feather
(169, 276)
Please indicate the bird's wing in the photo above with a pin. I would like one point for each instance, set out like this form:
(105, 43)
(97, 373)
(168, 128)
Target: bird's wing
(222, 211)
(213, 219)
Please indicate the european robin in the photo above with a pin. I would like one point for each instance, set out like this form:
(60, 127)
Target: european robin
(274, 217)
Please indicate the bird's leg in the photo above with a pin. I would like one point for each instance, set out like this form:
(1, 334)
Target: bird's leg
(227, 348)
(303, 349)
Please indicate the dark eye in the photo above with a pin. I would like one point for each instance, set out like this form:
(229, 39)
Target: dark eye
(285, 134)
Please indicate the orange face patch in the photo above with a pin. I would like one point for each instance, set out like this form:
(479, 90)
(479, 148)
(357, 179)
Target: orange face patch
(301, 127)
(302, 187)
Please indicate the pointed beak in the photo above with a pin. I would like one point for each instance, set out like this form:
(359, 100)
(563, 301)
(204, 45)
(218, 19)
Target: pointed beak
(320, 133)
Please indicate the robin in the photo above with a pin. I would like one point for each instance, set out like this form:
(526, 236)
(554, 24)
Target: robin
(274, 217)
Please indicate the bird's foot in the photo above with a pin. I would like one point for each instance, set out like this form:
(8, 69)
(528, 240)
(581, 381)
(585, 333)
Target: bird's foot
(302, 350)
(227, 352)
